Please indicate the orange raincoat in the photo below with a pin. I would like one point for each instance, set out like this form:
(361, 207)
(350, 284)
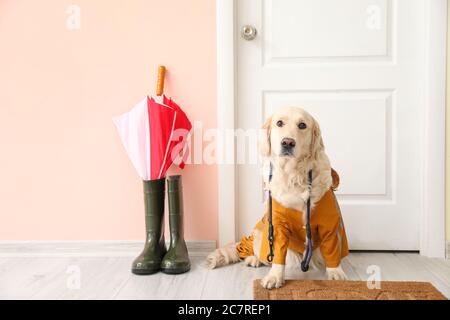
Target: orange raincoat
(327, 231)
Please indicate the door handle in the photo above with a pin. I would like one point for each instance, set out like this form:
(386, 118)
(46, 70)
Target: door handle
(248, 32)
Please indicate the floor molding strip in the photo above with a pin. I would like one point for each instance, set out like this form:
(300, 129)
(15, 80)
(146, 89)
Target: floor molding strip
(125, 248)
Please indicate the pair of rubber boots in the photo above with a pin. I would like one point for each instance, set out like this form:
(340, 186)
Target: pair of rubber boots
(155, 257)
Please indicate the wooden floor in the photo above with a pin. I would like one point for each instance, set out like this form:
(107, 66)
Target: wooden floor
(110, 277)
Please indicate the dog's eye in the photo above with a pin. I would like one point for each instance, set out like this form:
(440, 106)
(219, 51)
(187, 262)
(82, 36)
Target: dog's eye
(280, 123)
(302, 125)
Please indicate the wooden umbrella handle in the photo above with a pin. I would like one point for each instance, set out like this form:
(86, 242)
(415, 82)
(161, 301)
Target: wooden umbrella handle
(160, 81)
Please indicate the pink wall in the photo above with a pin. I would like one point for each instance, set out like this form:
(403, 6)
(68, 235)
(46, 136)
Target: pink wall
(63, 173)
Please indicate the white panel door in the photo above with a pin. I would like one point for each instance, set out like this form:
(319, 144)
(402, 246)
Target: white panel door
(357, 67)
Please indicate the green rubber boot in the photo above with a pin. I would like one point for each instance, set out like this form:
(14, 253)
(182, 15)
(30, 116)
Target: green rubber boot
(149, 261)
(176, 259)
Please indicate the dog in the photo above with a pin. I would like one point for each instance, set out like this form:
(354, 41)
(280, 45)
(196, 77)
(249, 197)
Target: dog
(291, 142)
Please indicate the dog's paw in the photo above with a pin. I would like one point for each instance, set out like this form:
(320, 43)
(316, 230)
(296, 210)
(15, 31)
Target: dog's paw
(336, 273)
(271, 281)
(252, 261)
(275, 277)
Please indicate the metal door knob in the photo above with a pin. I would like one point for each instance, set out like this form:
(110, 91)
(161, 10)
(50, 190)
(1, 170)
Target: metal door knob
(248, 32)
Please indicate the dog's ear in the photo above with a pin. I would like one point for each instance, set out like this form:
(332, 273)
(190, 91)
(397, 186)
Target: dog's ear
(264, 138)
(316, 141)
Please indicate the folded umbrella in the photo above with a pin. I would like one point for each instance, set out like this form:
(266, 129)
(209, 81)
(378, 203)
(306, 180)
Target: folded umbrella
(154, 133)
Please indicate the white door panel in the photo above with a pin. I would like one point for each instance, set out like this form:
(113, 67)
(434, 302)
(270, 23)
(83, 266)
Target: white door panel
(325, 29)
(356, 66)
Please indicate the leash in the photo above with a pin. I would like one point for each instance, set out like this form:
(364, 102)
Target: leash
(270, 255)
(309, 245)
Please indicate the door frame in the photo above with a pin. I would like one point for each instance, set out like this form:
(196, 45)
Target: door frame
(432, 221)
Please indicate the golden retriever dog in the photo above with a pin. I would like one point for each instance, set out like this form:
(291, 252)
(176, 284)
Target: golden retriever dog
(291, 141)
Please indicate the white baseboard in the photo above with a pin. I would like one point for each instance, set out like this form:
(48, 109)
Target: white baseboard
(122, 248)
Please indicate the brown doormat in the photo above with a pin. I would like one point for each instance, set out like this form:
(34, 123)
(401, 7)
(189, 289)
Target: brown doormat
(347, 290)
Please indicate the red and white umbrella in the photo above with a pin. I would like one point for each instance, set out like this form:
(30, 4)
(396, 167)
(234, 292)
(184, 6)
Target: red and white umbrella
(154, 134)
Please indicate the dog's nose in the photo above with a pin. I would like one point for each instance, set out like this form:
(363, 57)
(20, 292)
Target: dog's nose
(288, 143)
